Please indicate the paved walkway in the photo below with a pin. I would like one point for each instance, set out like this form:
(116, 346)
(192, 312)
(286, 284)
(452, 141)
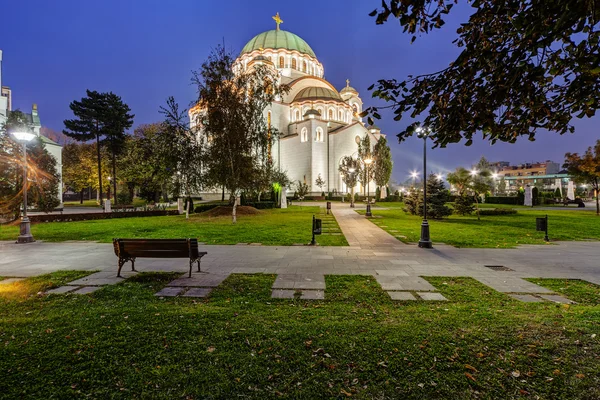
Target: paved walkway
(300, 270)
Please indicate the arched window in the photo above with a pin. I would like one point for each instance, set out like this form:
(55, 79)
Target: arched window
(304, 66)
(320, 110)
(330, 114)
(319, 137)
(293, 63)
(355, 108)
(340, 115)
(281, 62)
(304, 135)
(297, 116)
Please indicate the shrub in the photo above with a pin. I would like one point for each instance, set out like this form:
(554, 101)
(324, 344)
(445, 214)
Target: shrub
(123, 196)
(205, 207)
(497, 211)
(463, 205)
(95, 216)
(502, 200)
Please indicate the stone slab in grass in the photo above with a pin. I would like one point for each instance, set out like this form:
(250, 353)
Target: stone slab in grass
(8, 281)
(170, 292)
(62, 289)
(512, 284)
(406, 283)
(282, 294)
(526, 298)
(197, 292)
(428, 296)
(313, 295)
(401, 296)
(556, 298)
(199, 280)
(101, 278)
(87, 290)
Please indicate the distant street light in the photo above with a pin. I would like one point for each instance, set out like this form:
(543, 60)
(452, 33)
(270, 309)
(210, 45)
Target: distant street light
(25, 235)
(440, 177)
(474, 172)
(425, 241)
(368, 162)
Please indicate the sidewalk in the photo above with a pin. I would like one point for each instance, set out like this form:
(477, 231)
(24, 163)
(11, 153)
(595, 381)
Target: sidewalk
(395, 265)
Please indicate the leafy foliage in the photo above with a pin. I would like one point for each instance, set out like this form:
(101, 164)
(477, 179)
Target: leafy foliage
(437, 197)
(349, 169)
(78, 167)
(382, 155)
(231, 122)
(586, 169)
(320, 182)
(301, 189)
(523, 66)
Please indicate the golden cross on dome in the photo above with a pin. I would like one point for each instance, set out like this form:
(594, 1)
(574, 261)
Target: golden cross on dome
(347, 82)
(278, 20)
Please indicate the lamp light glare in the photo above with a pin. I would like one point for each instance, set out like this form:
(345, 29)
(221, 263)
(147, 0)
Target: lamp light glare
(23, 136)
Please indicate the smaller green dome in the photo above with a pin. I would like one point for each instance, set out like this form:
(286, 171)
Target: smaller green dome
(317, 93)
(278, 39)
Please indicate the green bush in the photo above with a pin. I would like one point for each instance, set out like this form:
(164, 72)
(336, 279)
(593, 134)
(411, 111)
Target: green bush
(497, 211)
(205, 207)
(502, 200)
(123, 197)
(463, 205)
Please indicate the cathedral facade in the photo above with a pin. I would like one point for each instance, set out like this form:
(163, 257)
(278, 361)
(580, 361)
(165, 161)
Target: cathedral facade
(318, 124)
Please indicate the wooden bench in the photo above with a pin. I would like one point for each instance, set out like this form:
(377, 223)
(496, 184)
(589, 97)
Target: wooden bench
(130, 249)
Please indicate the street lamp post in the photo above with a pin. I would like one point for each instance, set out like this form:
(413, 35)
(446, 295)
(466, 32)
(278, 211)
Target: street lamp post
(425, 241)
(368, 162)
(25, 235)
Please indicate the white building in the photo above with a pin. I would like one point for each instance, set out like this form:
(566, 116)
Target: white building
(318, 124)
(33, 119)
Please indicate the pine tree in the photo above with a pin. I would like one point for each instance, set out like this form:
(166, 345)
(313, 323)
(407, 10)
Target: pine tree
(463, 205)
(437, 197)
(382, 170)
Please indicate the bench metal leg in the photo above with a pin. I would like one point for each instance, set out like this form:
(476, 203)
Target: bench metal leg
(122, 262)
(191, 264)
(199, 265)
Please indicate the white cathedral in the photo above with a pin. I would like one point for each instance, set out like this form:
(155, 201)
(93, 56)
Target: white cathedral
(319, 125)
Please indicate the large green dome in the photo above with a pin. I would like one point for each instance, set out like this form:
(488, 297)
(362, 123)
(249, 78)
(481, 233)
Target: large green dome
(278, 39)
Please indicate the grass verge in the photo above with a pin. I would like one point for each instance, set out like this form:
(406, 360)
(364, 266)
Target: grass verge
(270, 227)
(123, 342)
(500, 231)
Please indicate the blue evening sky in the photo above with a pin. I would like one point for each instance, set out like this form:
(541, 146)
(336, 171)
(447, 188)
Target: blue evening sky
(144, 50)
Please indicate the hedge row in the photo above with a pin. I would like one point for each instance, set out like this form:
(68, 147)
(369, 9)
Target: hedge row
(95, 216)
(497, 211)
(259, 205)
(502, 200)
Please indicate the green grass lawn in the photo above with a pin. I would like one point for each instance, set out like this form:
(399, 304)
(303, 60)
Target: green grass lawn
(124, 342)
(504, 231)
(270, 227)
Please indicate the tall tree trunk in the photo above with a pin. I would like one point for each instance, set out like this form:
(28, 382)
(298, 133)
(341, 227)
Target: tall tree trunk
(234, 209)
(114, 171)
(81, 197)
(99, 164)
(477, 206)
(597, 202)
(223, 194)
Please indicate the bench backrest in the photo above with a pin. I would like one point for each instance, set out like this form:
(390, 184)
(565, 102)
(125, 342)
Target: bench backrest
(158, 248)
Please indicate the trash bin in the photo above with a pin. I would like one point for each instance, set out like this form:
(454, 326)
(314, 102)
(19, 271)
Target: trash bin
(541, 224)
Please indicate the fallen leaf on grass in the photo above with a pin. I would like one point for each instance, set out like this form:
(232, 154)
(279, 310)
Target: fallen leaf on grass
(348, 394)
(580, 376)
(515, 374)
(471, 377)
(467, 366)
(211, 349)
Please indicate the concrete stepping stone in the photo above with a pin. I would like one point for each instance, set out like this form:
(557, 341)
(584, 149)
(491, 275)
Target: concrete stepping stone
(431, 296)
(313, 295)
(556, 298)
(512, 285)
(406, 283)
(86, 290)
(170, 292)
(282, 294)
(401, 296)
(526, 298)
(62, 289)
(299, 281)
(9, 281)
(200, 280)
(197, 292)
